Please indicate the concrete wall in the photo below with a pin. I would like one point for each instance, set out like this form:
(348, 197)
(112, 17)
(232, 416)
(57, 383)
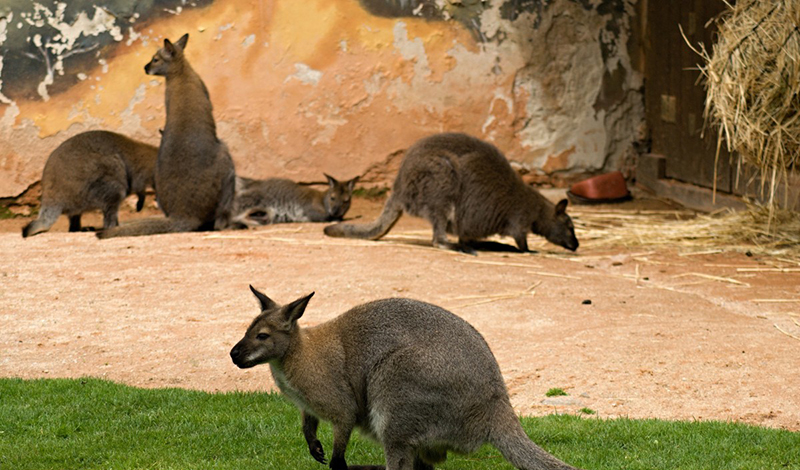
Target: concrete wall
(341, 86)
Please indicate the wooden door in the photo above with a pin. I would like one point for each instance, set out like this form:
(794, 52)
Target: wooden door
(674, 97)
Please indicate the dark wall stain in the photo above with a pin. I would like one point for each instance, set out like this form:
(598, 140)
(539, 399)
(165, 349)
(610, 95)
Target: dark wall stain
(25, 64)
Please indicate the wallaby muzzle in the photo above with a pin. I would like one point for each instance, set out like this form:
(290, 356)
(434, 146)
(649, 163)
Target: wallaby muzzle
(239, 358)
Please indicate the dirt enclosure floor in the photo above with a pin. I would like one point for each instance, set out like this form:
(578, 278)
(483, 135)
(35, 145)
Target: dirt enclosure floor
(642, 332)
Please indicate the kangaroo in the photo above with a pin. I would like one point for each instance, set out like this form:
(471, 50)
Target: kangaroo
(93, 170)
(465, 186)
(413, 376)
(277, 200)
(194, 172)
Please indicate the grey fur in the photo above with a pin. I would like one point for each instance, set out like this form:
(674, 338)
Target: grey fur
(195, 175)
(417, 378)
(93, 170)
(278, 200)
(465, 186)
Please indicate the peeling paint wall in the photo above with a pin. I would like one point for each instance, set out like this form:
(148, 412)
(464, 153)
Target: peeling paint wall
(338, 86)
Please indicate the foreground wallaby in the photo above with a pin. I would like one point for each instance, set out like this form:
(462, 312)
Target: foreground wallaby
(194, 173)
(277, 200)
(417, 378)
(93, 170)
(466, 187)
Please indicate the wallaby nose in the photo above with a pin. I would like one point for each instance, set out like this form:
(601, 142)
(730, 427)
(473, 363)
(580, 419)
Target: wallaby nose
(234, 354)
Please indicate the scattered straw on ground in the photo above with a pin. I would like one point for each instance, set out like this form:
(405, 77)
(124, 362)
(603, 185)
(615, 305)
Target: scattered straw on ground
(694, 233)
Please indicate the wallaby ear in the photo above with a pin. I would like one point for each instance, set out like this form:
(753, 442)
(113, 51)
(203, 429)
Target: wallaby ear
(295, 309)
(182, 41)
(561, 207)
(266, 302)
(169, 47)
(331, 180)
(352, 184)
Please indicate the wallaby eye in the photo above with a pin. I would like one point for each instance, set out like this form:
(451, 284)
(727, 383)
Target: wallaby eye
(262, 336)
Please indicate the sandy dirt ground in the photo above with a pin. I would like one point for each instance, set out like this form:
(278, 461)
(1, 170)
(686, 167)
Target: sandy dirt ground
(643, 333)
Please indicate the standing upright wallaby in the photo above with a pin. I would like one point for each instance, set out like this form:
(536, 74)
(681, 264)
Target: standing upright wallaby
(195, 176)
(93, 170)
(279, 200)
(466, 187)
(415, 377)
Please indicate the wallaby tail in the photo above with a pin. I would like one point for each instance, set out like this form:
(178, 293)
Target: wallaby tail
(142, 227)
(511, 440)
(47, 217)
(373, 230)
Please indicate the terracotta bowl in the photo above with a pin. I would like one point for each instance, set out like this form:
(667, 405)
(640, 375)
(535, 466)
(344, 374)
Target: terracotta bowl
(605, 188)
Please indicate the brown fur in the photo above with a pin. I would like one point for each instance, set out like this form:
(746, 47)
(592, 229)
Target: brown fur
(466, 187)
(194, 173)
(417, 378)
(278, 200)
(93, 170)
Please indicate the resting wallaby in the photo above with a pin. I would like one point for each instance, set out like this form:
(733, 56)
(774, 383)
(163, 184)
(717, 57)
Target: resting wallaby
(93, 170)
(194, 173)
(466, 187)
(415, 377)
(277, 200)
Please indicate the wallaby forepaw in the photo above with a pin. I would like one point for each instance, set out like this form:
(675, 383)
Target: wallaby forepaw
(317, 452)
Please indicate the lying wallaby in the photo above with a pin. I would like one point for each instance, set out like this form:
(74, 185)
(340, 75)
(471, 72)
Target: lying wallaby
(93, 170)
(415, 377)
(466, 187)
(194, 173)
(277, 200)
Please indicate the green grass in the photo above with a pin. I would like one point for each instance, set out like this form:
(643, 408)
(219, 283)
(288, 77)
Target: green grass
(371, 193)
(6, 213)
(556, 392)
(95, 424)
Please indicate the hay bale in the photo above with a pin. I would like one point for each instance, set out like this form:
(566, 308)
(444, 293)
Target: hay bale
(752, 77)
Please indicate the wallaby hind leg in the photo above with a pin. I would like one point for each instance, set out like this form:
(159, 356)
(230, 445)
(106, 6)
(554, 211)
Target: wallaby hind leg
(222, 216)
(75, 223)
(140, 202)
(47, 217)
(401, 457)
(420, 464)
(440, 236)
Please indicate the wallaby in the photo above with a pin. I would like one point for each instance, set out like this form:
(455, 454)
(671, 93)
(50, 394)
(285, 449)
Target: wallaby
(413, 376)
(194, 173)
(93, 170)
(466, 187)
(278, 200)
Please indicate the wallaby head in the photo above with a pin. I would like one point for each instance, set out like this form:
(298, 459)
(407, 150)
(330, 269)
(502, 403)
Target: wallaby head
(164, 59)
(337, 197)
(559, 230)
(269, 336)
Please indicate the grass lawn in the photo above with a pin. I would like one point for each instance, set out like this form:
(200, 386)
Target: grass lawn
(94, 424)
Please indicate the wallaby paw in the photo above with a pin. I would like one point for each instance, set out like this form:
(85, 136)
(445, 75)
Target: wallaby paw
(462, 248)
(316, 450)
(338, 463)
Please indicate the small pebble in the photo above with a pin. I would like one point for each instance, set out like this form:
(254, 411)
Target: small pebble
(587, 302)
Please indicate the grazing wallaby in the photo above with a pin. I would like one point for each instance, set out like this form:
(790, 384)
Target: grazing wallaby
(466, 187)
(194, 173)
(93, 170)
(277, 200)
(415, 377)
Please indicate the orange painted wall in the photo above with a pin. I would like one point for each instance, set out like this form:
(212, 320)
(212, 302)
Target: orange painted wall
(300, 88)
